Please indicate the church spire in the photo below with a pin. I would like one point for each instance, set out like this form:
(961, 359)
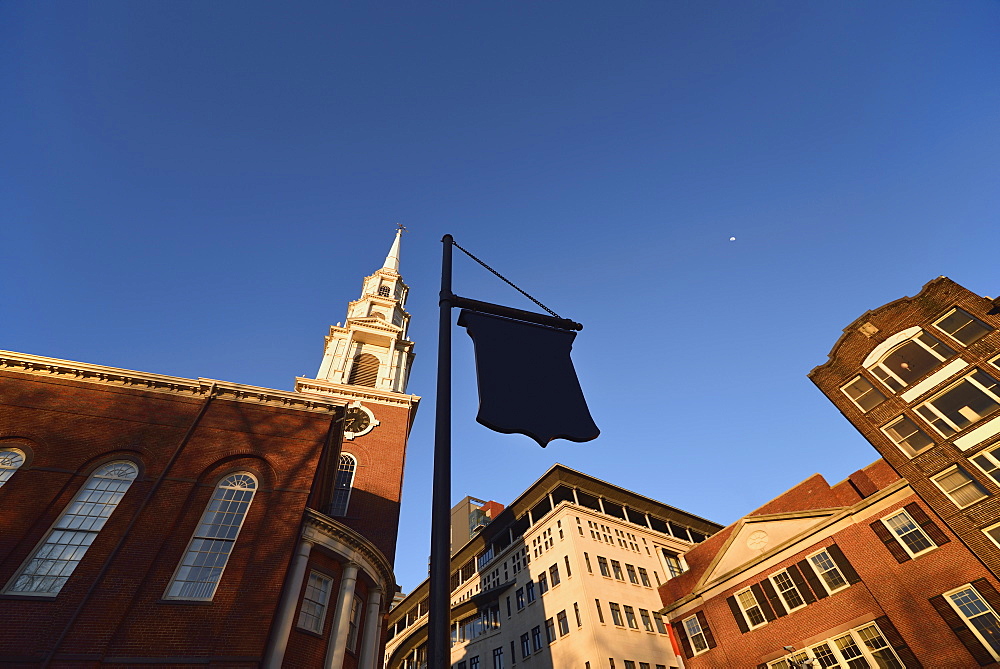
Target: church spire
(392, 260)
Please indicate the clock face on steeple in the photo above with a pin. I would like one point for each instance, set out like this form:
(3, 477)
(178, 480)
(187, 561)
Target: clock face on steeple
(358, 420)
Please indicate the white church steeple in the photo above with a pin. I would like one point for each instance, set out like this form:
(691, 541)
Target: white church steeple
(371, 348)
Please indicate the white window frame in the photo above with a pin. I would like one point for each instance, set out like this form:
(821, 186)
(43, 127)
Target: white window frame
(842, 661)
(972, 481)
(693, 630)
(937, 324)
(888, 378)
(936, 418)
(202, 534)
(354, 624)
(968, 621)
(319, 606)
(994, 539)
(899, 536)
(11, 459)
(901, 443)
(746, 609)
(74, 531)
(781, 593)
(872, 389)
(992, 460)
(343, 486)
(821, 575)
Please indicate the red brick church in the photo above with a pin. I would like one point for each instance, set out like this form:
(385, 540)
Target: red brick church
(155, 520)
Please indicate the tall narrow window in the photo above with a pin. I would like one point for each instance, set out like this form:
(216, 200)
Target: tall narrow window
(50, 567)
(342, 486)
(364, 371)
(314, 602)
(355, 623)
(200, 570)
(10, 460)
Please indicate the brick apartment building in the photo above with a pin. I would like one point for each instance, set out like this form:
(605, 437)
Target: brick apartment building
(155, 520)
(850, 575)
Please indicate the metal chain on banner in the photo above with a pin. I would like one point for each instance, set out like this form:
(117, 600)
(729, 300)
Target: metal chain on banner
(504, 279)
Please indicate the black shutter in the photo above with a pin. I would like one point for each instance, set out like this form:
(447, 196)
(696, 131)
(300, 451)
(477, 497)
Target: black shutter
(964, 634)
(765, 607)
(889, 539)
(928, 525)
(813, 579)
(989, 593)
(807, 596)
(683, 637)
(772, 596)
(845, 567)
(895, 640)
(706, 630)
(741, 622)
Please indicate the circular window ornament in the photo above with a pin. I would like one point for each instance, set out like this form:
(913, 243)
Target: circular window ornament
(757, 540)
(358, 421)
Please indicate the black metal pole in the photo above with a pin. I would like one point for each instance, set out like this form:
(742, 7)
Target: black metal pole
(439, 622)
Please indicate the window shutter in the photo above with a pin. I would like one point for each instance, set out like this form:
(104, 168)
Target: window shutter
(895, 640)
(765, 607)
(706, 630)
(989, 593)
(964, 634)
(741, 622)
(682, 635)
(813, 579)
(793, 570)
(845, 566)
(772, 596)
(889, 539)
(928, 525)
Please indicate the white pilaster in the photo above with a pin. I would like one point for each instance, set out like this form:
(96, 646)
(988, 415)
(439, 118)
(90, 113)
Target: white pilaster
(369, 643)
(342, 618)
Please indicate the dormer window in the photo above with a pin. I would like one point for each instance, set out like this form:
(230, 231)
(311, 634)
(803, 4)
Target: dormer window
(910, 360)
(383, 291)
(963, 326)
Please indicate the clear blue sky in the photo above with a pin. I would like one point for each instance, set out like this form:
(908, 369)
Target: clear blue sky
(197, 189)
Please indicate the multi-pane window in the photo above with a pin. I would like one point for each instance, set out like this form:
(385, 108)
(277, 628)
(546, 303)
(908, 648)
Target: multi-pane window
(498, 658)
(630, 617)
(964, 403)
(674, 567)
(536, 637)
(913, 538)
(48, 569)
(960, 487)
(10, 460)
(632, 576)
(750, 607)
(529, 591)
(828, 571)
(550, 630)
(357, 606)
(586, 559)
(383, 291)
(660, 626)
(909, 361)
(963, 326)
(314, 602)
(616, 614)
(980, 617)
(616, 566)
(989, 462)
(525, 648)
(343, 484)
(563, 621)
(600, 614)
(519, 596)
(861, 648)
(473, 662)
(543, 583)
(789, 592)
(206, 556)
(644, 577)
(602, 563)
(554, 575)
(905, 434)
(569, 572)
(863, 393)
(696, 636)
(647, 623)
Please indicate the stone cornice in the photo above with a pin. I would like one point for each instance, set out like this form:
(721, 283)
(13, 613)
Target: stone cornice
(347, 392)
(114, 377)
(353, 546)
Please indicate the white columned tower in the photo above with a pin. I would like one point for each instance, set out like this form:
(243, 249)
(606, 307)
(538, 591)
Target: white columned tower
(371, 347)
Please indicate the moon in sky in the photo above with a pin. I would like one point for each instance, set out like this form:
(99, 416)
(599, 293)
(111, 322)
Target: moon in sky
(732, 239)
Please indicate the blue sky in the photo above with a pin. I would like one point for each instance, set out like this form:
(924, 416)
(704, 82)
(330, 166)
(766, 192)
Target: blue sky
(197, 189)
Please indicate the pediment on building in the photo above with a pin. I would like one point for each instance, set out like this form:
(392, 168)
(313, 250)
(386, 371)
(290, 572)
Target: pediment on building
(758, 537)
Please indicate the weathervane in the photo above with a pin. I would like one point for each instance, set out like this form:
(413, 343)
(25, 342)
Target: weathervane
(402, 227)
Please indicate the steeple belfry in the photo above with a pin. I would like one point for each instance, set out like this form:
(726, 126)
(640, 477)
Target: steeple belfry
(371, 348)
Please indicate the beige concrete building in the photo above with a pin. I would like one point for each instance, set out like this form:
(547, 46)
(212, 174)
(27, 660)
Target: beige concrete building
(565, 576)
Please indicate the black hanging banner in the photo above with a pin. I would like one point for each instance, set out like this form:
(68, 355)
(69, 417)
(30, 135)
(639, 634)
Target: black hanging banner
(527, 383)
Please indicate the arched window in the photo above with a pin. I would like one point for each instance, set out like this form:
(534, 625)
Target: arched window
(342, 486)
(364, 372)
(383, 291)
(10, 460)
(48, 569)
(200, 570)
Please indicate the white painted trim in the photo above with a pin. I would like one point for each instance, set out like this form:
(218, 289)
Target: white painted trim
(951, 369)
(979, 435)
(889, 344)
